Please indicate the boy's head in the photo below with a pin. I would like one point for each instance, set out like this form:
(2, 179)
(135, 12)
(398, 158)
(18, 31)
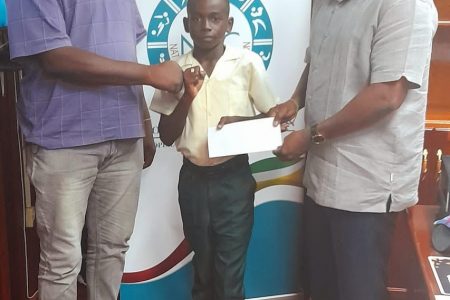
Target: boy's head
(207, 22)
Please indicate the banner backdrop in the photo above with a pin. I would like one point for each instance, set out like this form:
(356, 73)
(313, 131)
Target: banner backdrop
(158, 263)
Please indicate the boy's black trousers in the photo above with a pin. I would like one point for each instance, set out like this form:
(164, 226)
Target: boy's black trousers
(216, 206)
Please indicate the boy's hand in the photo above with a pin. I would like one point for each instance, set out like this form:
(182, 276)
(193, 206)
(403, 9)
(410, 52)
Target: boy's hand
(193, 81)
(229, 119)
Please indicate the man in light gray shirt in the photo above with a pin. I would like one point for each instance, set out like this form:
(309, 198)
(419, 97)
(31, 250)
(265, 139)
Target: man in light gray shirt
(364, 91)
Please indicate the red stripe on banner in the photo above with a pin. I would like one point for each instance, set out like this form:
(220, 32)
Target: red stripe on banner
(180, 253)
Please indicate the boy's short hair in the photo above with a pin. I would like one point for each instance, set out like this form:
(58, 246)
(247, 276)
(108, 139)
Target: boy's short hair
(227, 1)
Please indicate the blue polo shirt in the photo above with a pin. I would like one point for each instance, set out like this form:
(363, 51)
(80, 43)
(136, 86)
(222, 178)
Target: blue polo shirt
(55, 114)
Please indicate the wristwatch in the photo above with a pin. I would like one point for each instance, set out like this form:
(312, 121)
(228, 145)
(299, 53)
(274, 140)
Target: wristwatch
(316, 137)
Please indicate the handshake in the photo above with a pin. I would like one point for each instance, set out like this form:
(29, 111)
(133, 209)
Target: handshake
(166, 76)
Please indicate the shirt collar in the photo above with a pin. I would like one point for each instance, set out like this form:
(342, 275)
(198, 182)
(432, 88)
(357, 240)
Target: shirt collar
(231, 54)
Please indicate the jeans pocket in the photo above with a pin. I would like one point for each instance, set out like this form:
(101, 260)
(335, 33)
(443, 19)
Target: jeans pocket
(31, 150)
(34, 149)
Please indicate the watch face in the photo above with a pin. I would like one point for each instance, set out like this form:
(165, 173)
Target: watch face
(318, 139)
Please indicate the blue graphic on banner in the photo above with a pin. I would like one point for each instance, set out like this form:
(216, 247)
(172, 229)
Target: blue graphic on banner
(273, 260)
(176, 286)
(3, 18)
(167, 10)
(274, 254)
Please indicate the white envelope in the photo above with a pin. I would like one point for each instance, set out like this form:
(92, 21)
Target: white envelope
(244, 137)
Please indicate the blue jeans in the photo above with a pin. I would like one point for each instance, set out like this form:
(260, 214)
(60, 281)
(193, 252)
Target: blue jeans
(347, 252)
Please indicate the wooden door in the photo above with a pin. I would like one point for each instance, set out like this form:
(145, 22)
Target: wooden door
(19, 248)
(5, 291)
(437, 135)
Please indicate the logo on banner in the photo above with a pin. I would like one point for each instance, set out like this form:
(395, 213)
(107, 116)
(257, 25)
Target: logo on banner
(167, 39)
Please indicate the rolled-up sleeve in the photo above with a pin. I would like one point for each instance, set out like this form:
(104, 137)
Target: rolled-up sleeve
(35, 26)
(140, 29)
(402, 42)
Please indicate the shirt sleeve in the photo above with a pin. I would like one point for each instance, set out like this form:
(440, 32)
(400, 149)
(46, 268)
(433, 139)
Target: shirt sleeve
(402, 42)
(164, 102)
(260, 89)
(307, 58)
(140, 29)
(35, 26)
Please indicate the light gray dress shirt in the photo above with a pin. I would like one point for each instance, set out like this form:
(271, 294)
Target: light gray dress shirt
(355, 43)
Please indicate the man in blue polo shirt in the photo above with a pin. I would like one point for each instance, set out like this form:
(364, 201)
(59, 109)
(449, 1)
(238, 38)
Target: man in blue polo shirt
(84, 117)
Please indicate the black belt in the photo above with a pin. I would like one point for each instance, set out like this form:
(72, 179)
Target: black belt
(232, 164)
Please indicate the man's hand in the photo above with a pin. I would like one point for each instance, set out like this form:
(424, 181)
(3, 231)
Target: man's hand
(77, 66)
(167, 76)
(294, 145)
(149, 144)
(193, 81)
(284, 113)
